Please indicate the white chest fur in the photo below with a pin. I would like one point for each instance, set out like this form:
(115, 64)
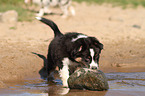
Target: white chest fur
(64, 72)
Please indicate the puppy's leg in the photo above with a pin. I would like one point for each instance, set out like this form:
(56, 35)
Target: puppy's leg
(50, 67)
(64, 72)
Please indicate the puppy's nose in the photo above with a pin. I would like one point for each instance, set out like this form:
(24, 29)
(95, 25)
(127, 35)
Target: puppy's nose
(94, 67)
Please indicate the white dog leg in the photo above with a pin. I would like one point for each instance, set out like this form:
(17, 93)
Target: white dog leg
(65, 11)
(64, 72)
(72, 10)
(47, 10)
(41, 12)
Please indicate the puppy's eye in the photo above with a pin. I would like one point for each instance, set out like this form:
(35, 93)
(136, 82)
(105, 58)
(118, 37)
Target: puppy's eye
(89, 57)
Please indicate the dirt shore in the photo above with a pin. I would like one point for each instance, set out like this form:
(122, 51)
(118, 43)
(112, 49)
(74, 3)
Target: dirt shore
(122, 31)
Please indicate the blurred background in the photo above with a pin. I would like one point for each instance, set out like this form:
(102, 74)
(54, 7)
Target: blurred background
(25, 15)
(118, 24)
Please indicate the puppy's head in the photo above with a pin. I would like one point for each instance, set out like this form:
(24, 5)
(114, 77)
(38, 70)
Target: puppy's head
(87, 52)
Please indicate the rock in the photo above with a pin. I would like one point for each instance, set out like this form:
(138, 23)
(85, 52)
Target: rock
(10, 16)
(89, 79)
(136, 26)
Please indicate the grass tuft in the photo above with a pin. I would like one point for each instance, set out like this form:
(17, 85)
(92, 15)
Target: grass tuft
(23, 14)
(123, 3)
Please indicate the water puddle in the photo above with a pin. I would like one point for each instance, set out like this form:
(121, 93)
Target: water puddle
(127, 81)
(121, 84)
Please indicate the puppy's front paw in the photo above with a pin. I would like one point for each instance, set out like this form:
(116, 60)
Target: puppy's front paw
(65, 85)
(64, 91)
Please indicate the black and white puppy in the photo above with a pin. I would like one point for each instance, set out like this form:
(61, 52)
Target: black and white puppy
(69, 51)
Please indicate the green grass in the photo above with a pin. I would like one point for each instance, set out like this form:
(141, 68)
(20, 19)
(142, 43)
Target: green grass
(25, 15)
(123, 3)
(13, 2)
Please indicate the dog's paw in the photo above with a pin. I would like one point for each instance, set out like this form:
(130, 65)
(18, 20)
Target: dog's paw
(65, 85)
(64, 91)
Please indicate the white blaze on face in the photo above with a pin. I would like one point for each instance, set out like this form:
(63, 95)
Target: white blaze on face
(93, 64)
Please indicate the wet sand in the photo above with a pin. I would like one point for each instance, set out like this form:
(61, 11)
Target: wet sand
(120, 30)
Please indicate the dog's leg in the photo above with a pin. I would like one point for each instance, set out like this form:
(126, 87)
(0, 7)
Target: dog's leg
(50, 66)
(47, 10)
(65, 11)
(72, 10)
(64, 72)
(41, 12)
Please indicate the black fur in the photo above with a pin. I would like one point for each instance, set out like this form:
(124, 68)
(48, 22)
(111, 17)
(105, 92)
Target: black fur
(62, 47)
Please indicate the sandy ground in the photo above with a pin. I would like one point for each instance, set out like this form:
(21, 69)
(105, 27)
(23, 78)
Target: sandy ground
(122, 31)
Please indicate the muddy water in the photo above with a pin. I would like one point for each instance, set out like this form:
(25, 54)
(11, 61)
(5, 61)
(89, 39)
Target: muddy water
(121, 84)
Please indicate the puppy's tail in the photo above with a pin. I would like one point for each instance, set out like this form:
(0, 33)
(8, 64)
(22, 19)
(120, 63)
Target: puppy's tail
(52, 25)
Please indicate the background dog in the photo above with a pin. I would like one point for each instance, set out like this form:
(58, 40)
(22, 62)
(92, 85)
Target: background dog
(45, 5)
(69, 51)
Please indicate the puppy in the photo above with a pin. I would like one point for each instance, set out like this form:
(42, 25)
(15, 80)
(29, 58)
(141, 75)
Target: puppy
(70, 51)
(65, 6)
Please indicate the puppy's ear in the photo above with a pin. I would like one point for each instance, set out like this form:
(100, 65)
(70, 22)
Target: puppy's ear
(96, 42)
(76, 53)
(100, 45)
(77, 50)
(80, 48)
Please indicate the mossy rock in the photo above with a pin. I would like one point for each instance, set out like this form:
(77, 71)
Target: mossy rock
(89, 79)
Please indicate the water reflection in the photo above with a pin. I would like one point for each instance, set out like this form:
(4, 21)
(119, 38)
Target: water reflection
(59, 91)
(121, 84)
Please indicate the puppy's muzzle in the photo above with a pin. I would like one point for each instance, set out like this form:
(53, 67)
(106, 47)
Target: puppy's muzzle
(94, 67)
